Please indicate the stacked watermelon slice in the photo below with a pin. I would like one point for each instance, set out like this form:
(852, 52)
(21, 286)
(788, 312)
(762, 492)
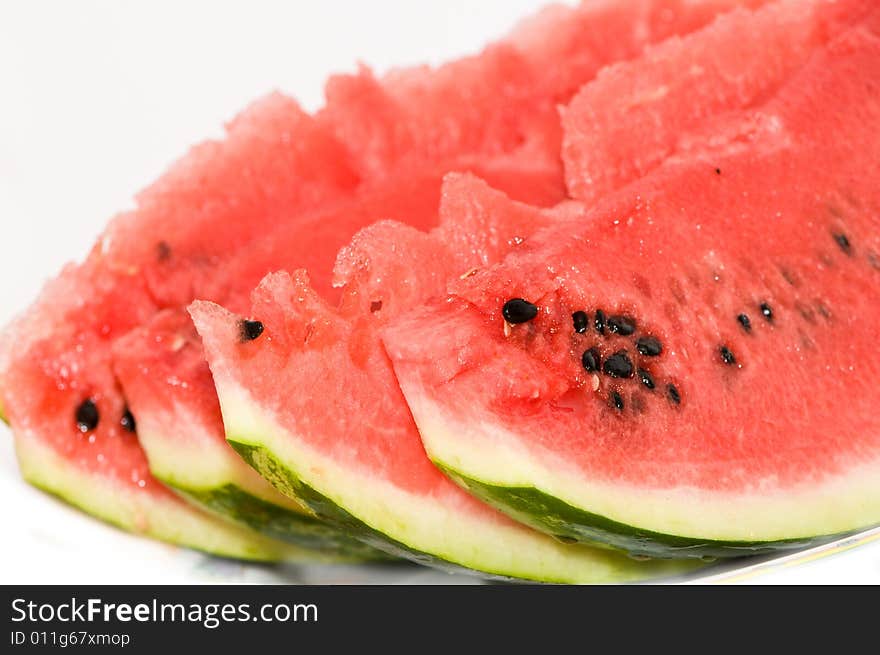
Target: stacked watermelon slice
(405, 326)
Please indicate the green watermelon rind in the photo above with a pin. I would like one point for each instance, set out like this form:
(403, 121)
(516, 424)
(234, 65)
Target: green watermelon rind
(164, 519)
(556, 517)
(257, 439)
(233, 502)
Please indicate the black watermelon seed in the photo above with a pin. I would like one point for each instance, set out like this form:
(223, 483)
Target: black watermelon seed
(250, 330)
(87, 416)
(743, 320)
(789, 277)
(622, 325)
(581, 321)
(646, 378)
(163, 251)
(375, 306)
(843, 241)
(672, 392)
(806, 312)
(590, 360)
(517, 310)
(127, 421)
(617, 401)
(649, 346)
(619, 365)
(600, 321)
(717, 171)
(766, 311)
(727, 356)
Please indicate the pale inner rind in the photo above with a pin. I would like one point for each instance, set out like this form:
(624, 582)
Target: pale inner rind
(487, 542)
(163, 518)
(201, 463)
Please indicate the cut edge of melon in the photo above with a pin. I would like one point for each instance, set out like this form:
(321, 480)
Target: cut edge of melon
(493, 464)
(213, 477)
(166, 519)
(389, 518)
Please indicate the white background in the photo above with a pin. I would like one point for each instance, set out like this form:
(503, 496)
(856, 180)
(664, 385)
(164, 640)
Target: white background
(96, 98)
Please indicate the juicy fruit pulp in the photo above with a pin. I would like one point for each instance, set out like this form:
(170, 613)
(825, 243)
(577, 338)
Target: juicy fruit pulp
(348, 447)
(233, 489)
(637, 115)
(759, 428)
(58, 356)
(277, 427)
(168, 385)
(494, 114)
(278, 162)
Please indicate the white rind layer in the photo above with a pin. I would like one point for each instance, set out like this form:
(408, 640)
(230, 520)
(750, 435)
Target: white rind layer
(162, 517)
(488, 453)
(487, 542)
(201, 463)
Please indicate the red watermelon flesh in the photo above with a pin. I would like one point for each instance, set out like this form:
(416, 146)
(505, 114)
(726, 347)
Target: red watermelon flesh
(225, 194)
(347, 445)
(73, 432)
(739, 413)
(636, 115)
(105, 471)
(392, 128)
(203, 191)
(168, 385)
(213, 202)
(541, 65)
(219, 182)
(388, 268)
(418, 265)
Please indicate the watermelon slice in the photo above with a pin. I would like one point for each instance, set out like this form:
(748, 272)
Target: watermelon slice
(347, 446)
(714, 401)
(388, 269)
(494, 115)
